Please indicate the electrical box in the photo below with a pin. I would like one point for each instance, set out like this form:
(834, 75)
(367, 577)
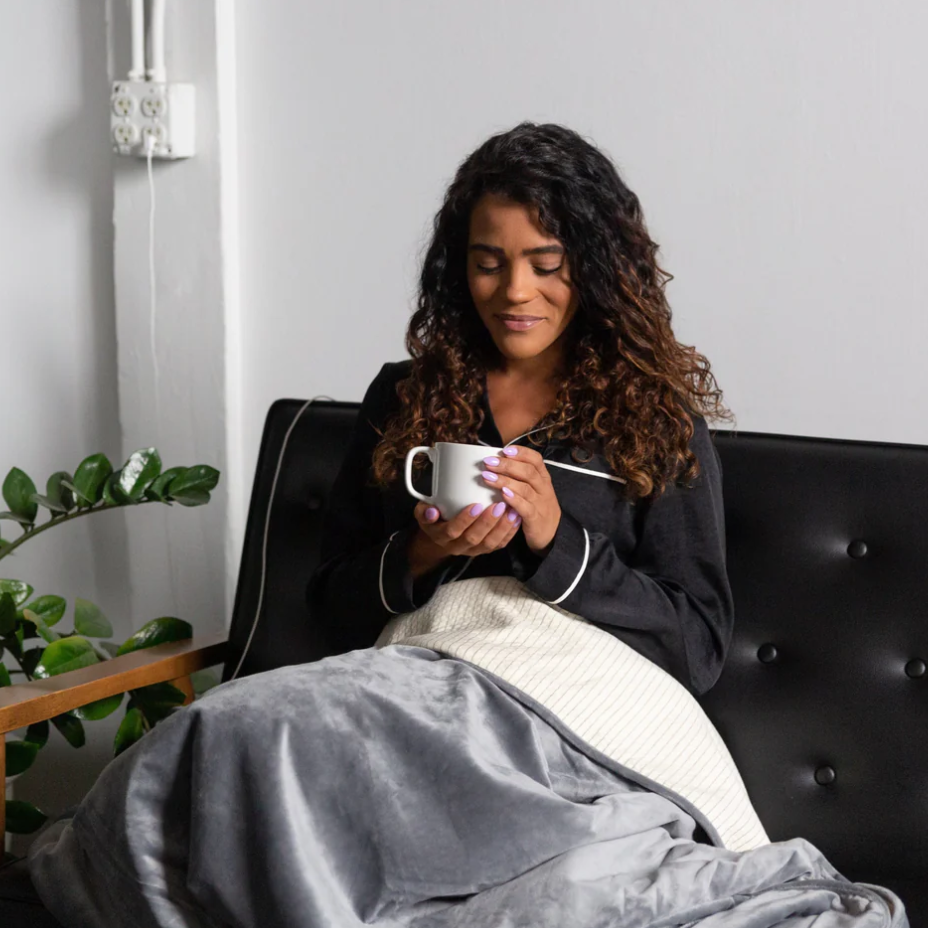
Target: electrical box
(163, 113)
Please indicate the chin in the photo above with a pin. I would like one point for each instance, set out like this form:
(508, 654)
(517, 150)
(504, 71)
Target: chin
(521, 349)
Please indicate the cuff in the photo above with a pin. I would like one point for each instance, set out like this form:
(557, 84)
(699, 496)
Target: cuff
(399, 591)
(565, 563)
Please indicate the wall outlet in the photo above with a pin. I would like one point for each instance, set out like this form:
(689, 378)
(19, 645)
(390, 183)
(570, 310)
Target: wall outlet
(140, 110)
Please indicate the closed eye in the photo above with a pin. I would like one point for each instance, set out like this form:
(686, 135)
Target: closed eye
(541, 271)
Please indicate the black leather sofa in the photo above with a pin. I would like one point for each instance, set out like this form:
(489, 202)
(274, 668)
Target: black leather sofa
(824, 698)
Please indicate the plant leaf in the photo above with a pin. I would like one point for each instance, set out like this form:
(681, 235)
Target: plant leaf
(37, 733)
(137, 474)
(48, 634)
(112, 493)
(89, 620)
(30, 658)
(13, 645)
(14, 517)
(157, 631)
(17, 589)
(90, 476)
(131, 728)
(57, 491)
(160, 488)
(7, 613)
(71, 728)
(99, 709)
(65, 654)
(49, 608)
(157, 701)
(191, 488)
(5, 676)
(79, 500)
(48, 504)
(17, 491)
(23, 818)
(203, 680)
(19, 756)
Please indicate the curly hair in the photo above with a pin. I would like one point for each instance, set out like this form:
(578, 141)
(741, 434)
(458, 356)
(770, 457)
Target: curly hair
(630, 389)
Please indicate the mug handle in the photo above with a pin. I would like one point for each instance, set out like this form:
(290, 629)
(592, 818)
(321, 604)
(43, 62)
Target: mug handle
(410, 457)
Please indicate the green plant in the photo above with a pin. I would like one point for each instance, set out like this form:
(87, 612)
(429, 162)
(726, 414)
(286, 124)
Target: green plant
(28, 632)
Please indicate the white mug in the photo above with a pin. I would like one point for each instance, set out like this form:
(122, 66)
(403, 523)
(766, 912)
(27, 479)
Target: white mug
(456, 480)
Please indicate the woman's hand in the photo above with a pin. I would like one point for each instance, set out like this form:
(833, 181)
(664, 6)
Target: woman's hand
(524, 480)
(471, 532)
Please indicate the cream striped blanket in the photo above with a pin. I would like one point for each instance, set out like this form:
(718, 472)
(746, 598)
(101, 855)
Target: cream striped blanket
(604, 691)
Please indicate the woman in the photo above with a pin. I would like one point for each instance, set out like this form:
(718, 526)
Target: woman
(398, 787)
(543, 326)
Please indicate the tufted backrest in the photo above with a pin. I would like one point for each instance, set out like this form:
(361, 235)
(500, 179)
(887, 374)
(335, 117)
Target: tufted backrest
(824, 698)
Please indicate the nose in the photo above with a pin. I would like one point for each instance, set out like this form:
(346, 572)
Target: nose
(519, 285)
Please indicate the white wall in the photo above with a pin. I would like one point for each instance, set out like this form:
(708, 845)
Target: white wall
(777, 149)
(58, 380)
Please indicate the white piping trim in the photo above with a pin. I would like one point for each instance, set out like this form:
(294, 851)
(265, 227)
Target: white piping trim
(586, 559)
(573, 467)
(461, 571)
(383, 598)
(588, 473)
(480, 441)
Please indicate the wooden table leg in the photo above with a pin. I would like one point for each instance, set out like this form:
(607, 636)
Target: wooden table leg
(3, 781)
(185, 685)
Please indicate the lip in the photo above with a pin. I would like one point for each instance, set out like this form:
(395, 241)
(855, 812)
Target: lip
(516, 322)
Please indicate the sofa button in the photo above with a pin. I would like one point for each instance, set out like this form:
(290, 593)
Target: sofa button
(915, 668)
(314, 502)
(825, 776)
(767, 653)
(857, 548)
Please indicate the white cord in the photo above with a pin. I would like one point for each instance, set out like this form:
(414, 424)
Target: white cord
(267, 525)
(152, 332)
(152, 338)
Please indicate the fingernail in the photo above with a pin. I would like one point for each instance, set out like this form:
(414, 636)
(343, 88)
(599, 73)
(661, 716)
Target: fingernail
(493, 462)
(499, 509)
(518, 521)
(489, 475)
(431, 514)
(476, 509)
(508, 492)
(513, 515)
(510, 452)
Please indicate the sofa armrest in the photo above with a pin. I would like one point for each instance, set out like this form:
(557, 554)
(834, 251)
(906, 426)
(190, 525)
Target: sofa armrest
(23, 704)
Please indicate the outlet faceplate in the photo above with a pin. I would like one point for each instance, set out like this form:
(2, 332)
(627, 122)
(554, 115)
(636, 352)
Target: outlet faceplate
(163, 112)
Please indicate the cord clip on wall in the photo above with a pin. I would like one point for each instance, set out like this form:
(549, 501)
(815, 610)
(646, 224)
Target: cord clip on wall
(150, 117)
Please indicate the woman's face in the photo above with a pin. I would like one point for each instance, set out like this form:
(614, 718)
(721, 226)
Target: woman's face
(519, 279)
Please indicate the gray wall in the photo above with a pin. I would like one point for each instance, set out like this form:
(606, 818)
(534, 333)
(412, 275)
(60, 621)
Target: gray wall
(777, 148)
(59, 396)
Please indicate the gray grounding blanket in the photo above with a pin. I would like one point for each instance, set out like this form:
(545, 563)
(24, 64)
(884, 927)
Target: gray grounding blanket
(403, 788)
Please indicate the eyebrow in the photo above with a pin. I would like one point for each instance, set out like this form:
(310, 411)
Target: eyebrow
(542, 250)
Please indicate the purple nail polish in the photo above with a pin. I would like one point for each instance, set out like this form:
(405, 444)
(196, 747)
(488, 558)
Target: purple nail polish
(508, 492)
(510, 451)
(489, 475)
(493, 462)
(518, 521)
(513, 515)
(431, 513)
(476, 509)
(499, 509)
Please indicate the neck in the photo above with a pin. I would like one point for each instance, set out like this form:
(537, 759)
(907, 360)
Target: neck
(542, 368)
